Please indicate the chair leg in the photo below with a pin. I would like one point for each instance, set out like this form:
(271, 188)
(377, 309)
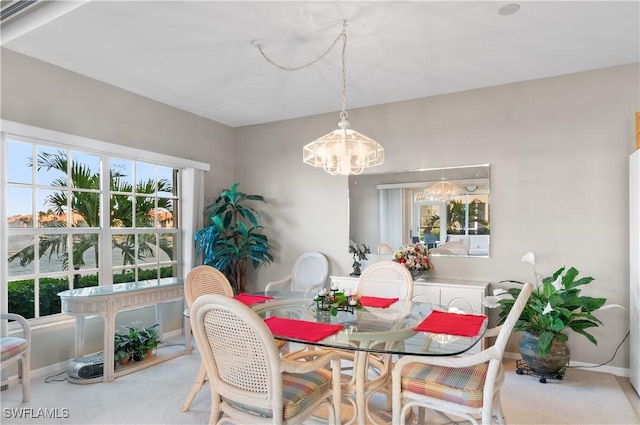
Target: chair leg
(200, 379)
(24, 379)
(497, 408)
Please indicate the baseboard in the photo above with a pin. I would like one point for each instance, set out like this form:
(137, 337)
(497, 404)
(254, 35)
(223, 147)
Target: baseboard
(617, 371)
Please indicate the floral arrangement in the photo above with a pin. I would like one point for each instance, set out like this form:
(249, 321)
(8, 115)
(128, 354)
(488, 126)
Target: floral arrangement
(414, 257)
(555, 306)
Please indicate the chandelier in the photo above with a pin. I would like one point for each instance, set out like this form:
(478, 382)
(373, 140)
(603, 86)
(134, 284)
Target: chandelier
(442, 191)
(342, 151)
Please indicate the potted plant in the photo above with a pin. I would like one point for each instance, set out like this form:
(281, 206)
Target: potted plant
(233, 236)
(137, 343)
(123, 348)
(554, 307)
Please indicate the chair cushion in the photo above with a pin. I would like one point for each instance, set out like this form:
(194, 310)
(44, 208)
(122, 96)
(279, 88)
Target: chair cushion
(458, 385)
(12, 346)
(299, 391)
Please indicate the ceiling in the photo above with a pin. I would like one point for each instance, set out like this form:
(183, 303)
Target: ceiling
(198, 55)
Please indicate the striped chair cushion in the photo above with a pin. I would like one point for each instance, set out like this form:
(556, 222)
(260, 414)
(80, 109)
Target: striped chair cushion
(299, 391)
(12, 346)
(458, 385)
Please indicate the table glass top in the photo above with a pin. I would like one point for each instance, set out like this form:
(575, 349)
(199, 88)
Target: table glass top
(381, 330)
(97, 291)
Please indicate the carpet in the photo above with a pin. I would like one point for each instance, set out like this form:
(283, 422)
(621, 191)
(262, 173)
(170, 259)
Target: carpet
(155, 395)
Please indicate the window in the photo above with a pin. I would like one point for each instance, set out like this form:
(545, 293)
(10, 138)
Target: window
(78, 218)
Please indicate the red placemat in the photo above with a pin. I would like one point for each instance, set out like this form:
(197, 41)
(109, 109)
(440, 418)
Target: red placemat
(377, 301)
(301, 329)
(442, 322)
(249, 299)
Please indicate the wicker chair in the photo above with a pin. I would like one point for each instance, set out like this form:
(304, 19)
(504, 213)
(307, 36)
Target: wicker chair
(18, 350)
(250, 382)
(381, 279)
(202, 280)
(465, 386)
(309, 272)
(385, 248)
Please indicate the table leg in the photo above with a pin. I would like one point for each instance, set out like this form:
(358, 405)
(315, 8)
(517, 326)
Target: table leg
(360, 373)
(79, 337)
(108, 344)
(187, 335)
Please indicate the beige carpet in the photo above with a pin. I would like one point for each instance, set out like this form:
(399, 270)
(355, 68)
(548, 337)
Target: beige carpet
(155, 395)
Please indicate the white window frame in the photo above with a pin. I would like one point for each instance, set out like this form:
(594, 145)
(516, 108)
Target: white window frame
(190, 193)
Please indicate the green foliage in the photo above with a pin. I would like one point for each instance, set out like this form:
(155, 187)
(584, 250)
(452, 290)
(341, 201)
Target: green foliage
(21, 293)
(456, 211)
(233, 236)
(136, 341)
(554, 307)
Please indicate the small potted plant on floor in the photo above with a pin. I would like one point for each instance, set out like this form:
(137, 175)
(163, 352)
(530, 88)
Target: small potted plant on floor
(137, 343)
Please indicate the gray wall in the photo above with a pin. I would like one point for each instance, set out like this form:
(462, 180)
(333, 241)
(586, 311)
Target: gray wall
(558, 150)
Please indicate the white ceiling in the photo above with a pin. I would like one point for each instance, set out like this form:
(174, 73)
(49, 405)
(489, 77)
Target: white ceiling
(197, 55)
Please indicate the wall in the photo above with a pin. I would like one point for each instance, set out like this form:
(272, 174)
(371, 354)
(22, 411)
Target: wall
(42, 95)
(558, 149)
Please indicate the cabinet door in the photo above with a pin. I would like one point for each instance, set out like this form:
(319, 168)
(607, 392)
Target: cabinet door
(426, 294)
(467, 299)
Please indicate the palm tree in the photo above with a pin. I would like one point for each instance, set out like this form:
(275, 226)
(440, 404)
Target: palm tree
(87, 206)
(456, 211)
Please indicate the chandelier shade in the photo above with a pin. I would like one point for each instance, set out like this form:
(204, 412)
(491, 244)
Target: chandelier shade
(442, 191)
(343, 151)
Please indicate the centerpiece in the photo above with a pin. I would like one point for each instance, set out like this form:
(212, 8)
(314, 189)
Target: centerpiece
(415, 257)
(334, 301)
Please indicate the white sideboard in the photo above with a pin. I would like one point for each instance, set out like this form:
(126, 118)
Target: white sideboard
(463, 294)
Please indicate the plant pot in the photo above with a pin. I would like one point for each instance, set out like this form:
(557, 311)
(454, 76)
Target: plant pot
(124, 361)
(549, 364)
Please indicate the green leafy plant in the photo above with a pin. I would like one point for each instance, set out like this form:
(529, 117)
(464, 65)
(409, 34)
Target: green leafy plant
(554, 307)
(233, 236)
(136, 342)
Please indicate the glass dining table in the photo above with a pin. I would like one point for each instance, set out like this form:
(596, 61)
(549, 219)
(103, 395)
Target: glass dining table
(397, 330)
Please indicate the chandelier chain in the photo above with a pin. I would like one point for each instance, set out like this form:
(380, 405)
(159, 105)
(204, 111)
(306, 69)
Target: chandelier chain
(342, 36)
(342, 151)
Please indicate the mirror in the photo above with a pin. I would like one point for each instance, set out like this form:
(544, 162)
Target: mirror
(399, 208)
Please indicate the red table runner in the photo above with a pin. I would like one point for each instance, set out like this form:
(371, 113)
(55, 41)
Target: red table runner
(252, 299)
(377, 301)
(301, 329)
(442, 322)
